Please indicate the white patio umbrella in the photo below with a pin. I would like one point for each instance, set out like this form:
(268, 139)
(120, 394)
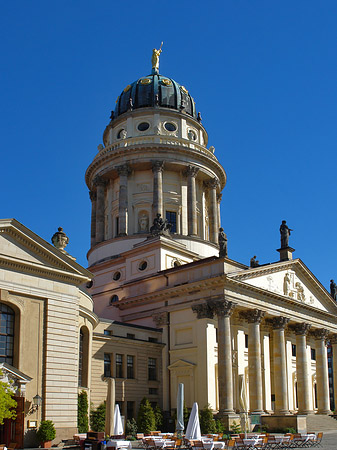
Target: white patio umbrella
(243, 402)
(180, 409)
(118, 425)
(109, 408)
(193, 426)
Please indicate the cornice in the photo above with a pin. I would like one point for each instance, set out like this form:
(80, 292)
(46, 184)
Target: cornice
(90, 315)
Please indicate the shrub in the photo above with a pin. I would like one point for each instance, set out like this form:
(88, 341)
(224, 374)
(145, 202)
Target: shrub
(158, 415)
(82, 412)
(235, 427)
(207, 422)
(220, 427)
(97, 418)
(146, 420)
(290, 430)
(131, 428)
(46, 431)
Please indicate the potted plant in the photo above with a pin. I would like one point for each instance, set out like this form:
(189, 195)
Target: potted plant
(46, 433)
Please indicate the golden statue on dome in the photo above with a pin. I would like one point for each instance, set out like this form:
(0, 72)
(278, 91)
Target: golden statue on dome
(155, 58)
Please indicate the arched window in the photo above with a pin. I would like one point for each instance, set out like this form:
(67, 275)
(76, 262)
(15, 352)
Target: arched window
(7, 316)
(80, 359)
(83, 357)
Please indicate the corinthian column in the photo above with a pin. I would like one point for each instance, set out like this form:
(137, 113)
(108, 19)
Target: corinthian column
(212, 185)
(100, 206)
(280, 365)
(322, 375)
(254, 318)
(123, 172)
(157, 169)
(302, 369)
(93, 217)
(333, 341)
(162, 321)
(191, 173)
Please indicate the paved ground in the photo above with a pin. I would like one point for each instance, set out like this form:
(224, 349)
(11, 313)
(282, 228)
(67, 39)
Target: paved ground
(329, 441)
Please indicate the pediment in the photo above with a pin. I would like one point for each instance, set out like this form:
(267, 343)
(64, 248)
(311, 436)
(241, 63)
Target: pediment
(292, 280)
(181, 364)
(23, 250)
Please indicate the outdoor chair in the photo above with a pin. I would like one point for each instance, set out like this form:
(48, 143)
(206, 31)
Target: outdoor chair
(230, 444)
(318, 441)
(272, 443)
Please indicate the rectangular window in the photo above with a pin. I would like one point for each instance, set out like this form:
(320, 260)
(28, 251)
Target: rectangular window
(246, 340)
(152, 369)
(293, 349)
(130, 410)
(107, 365)
(313, 354)
(107, 332)
(152, 339)
(171, 217)
(153, 391)
(130, 366)
(130, 336)
(119, 366)
(117, 226)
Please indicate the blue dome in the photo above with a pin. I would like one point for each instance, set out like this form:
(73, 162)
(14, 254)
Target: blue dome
(157, 91)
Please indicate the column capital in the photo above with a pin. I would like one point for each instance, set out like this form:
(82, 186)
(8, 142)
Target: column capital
(157, 166)
(221, 308)
(191, 171)
(279, 323)
(123, 169)
(213, 183)
(302, 329)
(99, 181)
(321, 334)
(253, 315)
(203, 311)
(161, 319)
(92, 195)
(333, 338)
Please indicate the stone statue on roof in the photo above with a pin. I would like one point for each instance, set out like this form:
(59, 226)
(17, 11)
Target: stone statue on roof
(155, 58)
(285, 233)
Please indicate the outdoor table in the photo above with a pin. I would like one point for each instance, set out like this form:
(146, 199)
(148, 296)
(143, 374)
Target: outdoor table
(118, 443)
(162, 443)
(252, 441)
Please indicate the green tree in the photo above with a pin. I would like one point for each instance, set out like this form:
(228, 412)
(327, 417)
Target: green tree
(131, 428)
(97, 418)
(207, 422)
(82, 412)
(158, 415)
(146, 420)
(7, 403)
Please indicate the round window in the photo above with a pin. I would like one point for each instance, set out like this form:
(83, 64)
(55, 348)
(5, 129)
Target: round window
(121, 133)
(114, 299)
(116, 276)
(143, 126)
(170, 126)
(142, 265)
(90, 284)
(191, 135)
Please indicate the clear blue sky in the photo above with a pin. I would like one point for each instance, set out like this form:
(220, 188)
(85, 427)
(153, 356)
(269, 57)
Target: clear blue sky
(262, 73)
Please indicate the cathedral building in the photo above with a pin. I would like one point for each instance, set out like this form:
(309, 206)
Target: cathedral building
(161, 302)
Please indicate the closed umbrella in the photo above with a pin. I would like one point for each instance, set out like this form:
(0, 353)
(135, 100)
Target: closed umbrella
(118, 425)
(193, 426)
(180, 410)
(243, 401)
(109, 408)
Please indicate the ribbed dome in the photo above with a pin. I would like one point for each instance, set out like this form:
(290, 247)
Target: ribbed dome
(155, 90)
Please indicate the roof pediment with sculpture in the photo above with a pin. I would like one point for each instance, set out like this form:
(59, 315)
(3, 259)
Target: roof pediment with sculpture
(23, 250)
(290, 279)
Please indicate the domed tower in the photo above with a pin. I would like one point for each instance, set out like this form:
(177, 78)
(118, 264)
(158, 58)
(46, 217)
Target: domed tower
(154, 165)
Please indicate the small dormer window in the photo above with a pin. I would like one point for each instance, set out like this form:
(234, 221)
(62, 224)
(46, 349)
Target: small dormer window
(170, 126)
(143, 126)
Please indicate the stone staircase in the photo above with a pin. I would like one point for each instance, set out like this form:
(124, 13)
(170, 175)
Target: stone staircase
(317, 422)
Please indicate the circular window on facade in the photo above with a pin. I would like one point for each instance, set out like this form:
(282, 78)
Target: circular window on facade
(143, 126)
(142, 265)
(90, 284)
(114, 299)
(121, 134)
(116, 276)
(170, 126)
(191, 135)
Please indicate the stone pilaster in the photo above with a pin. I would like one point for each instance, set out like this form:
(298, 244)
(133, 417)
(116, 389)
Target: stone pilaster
(191, 173)
(280, 365)
(254, 318)
(218, 199)
(123, 172)
(93, 217)
(302, 369)
(157, 169)
(212, 185)
(162, 320)
(322, 375)
(100, 206)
